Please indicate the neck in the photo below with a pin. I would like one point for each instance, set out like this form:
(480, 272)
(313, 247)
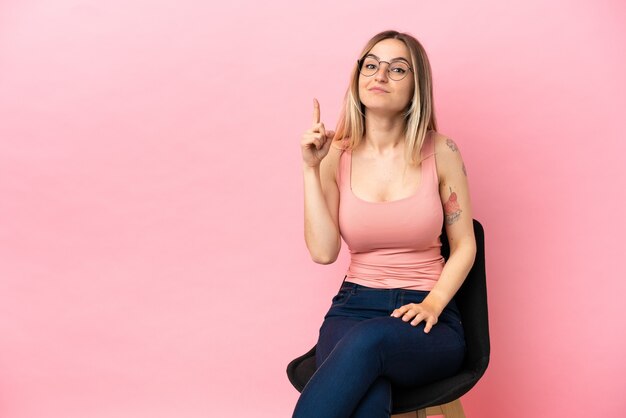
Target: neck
(384, 133)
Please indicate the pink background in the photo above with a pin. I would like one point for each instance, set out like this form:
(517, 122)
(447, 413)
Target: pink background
(152, 258)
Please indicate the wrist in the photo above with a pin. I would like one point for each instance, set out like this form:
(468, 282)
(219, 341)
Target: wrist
(310, 169)
(435, 301)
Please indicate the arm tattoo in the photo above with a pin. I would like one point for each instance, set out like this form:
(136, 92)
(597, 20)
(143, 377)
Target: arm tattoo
(451, 144)
(452, 209)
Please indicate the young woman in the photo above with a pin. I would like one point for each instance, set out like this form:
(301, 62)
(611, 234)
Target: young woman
(387, 183)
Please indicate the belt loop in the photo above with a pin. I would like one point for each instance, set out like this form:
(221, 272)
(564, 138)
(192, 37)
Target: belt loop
(400, 298)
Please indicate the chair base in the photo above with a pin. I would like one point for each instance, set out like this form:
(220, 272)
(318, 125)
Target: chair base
(452, 409)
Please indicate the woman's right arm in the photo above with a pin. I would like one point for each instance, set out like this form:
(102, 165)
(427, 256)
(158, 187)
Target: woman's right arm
(321, 207)
(321, 195)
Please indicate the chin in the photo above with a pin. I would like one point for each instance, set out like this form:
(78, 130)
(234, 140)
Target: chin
(382, 108)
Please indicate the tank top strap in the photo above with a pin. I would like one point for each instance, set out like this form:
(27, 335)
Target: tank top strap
(428, 147)
(340, 173)
(430, 166)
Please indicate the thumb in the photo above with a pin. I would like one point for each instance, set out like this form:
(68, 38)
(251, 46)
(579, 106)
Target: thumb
(330, 134)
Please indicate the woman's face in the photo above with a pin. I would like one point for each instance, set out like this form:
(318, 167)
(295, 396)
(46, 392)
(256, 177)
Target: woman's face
(397, 94)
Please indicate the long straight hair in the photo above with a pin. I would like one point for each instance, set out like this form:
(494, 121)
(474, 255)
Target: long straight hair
(419, 115)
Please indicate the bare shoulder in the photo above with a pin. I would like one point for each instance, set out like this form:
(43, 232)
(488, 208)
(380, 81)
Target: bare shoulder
(444, 144)
(448, 156)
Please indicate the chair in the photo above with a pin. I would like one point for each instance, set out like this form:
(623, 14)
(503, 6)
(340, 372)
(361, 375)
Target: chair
(441, 397)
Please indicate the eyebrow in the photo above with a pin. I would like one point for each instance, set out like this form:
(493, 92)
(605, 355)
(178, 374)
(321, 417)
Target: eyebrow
(394, 59)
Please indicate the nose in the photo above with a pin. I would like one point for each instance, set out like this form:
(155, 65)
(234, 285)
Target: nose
(381, 74)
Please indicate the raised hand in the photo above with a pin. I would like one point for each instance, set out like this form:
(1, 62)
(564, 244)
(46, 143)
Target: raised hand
(316, 141)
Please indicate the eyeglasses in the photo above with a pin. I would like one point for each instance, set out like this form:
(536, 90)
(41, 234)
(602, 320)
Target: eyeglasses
(396, 71)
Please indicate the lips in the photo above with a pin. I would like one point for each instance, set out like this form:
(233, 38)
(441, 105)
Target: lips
(378, 89)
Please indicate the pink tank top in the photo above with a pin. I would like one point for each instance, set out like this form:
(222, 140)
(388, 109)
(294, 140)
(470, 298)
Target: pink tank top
(393, 244)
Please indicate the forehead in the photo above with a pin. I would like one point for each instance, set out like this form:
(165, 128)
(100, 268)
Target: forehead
(389, 49)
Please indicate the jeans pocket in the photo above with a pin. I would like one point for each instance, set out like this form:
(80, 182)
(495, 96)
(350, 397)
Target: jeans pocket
(341, 297)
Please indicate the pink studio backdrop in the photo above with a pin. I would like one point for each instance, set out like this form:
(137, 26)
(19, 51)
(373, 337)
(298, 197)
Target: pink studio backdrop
(152, 258)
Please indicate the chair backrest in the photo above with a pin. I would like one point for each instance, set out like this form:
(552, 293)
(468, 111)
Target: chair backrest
(471, 299)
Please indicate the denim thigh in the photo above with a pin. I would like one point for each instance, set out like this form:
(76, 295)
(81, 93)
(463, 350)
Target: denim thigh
(354, 303)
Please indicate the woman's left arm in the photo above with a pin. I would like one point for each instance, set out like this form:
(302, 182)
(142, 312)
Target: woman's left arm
(459, 224)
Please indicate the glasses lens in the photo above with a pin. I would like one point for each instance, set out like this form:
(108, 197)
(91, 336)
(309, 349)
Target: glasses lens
(369, 66)
(398, 70)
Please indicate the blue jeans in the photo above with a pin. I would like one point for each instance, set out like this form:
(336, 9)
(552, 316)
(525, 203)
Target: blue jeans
(362, 351)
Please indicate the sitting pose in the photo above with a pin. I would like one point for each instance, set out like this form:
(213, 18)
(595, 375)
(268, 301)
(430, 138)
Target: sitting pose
(387, 183)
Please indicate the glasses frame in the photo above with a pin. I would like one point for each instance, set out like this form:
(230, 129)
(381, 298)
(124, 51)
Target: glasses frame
(360, 64)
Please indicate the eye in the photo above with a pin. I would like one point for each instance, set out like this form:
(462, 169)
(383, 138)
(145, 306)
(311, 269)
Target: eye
(370, 66)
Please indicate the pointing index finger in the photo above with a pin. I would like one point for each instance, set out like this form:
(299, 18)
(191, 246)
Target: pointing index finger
(316, 111)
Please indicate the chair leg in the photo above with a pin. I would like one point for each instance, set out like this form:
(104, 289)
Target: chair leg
(453, 409)
(433, 410)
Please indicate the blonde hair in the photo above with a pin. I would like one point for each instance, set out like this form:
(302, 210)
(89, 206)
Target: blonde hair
(420, 114)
